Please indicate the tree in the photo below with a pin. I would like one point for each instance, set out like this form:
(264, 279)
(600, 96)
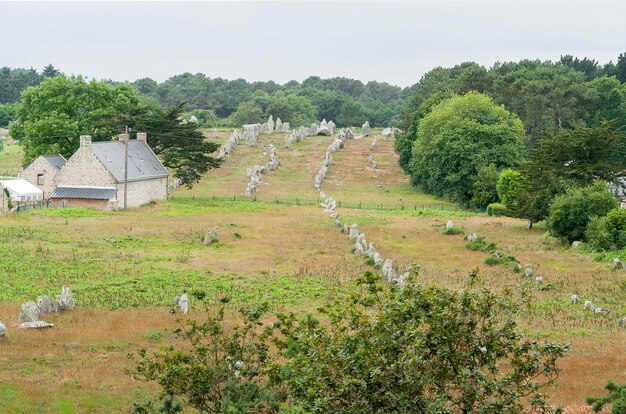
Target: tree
(459, 136)
(620, 68)
(246, 113)
(571, 158)
(351, 114)
(605, 101)
(52, 115)
(7, 114)
(484, 186)
(417, 349)
(50, 72)
(180, 146)
(404, 144)
(587, 66)
(544, 95)
(571, 212)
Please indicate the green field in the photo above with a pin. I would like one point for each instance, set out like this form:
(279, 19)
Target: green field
(126, 267)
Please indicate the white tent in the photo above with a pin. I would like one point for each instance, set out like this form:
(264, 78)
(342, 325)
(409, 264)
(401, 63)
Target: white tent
(21, 190)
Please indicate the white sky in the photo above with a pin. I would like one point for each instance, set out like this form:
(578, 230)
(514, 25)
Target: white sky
(396, 42)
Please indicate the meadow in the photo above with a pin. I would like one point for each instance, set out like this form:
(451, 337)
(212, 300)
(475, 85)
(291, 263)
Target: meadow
(125, 268)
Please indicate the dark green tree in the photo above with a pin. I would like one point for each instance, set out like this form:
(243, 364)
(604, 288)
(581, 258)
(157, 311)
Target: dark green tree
(572, 158)
(351, 114)
(50, 72)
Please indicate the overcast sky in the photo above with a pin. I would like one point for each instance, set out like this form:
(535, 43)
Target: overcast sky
(396, 42)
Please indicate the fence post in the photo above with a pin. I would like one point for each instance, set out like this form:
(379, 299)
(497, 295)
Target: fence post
(359, 205)
(297, 201)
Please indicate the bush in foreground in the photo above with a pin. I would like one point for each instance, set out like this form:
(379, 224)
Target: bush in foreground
(382, 349)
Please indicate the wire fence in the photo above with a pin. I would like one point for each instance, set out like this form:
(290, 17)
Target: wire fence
(303, 201)
(7, 176)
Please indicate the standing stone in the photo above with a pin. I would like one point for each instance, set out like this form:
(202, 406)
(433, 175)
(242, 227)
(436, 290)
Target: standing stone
(45, 305)
(29, 312)
(539, 280)
(354, 232)
(371, 161)
(3, 331)
(270, 124)
(374, 143)
(378, 259)
(183, 303)
(193, 120)
(388, 272)
(176, 300)
(574, 298)
(331, 127)
(279, 125)
(449, 224)
(65, 301)
(386, 134)
(365, 129)
(622, 323)
(618, 264)
(528, 272)
(211, 237)
(576, 244)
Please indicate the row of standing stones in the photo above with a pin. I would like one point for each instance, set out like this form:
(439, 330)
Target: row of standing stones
(31, 312)
(388, 271)
(528, 273)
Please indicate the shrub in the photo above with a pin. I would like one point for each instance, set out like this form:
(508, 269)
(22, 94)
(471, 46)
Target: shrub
(453, 231)
(571, 212)
(222, 371)
(493, 260)
(496, 209)
(420, 349)
(616, 397)
(608, 233)
(481, 245)
(509, 183)
(484, 186)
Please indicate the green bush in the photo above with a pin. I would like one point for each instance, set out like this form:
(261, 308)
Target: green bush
(453, 231)
(509, 184)
(609, 232)
(571, 212)
(493, 260)
(496, 209)
(484, 186)
(481, 245)
(616, 397)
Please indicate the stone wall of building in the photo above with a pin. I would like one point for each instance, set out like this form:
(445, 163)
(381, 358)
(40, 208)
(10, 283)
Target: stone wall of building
(142, 192)
(84, 169)
(50, 175)
(103, 205)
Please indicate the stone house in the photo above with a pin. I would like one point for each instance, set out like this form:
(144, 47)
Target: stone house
(43, 172)
(94, 176)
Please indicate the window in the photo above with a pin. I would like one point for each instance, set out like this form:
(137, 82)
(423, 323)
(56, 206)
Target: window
(39, 179)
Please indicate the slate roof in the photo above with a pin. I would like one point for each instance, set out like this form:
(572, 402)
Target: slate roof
(142, 163)
(57, 160)
(91, 193)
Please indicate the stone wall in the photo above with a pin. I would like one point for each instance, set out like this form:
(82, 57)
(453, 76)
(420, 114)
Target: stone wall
(142, 192)
(85, 169)
(103, 205)
(50, 175)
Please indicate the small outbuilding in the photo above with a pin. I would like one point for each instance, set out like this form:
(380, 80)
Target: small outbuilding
(21, 191)
(43, 172)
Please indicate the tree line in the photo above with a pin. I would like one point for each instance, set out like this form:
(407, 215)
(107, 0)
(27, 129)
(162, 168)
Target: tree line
(231, 103)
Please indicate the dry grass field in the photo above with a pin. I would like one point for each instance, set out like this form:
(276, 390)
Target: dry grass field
(125, 268)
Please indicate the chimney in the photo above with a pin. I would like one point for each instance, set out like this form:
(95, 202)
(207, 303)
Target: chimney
(85, 141)
(143, 137)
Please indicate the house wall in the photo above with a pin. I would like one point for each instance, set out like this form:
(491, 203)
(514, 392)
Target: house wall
(4, 202)
(103, 205)
(84, 169)
(50, 175)
(142, 192)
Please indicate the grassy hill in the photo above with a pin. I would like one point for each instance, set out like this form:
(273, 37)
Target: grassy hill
(126, 267)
